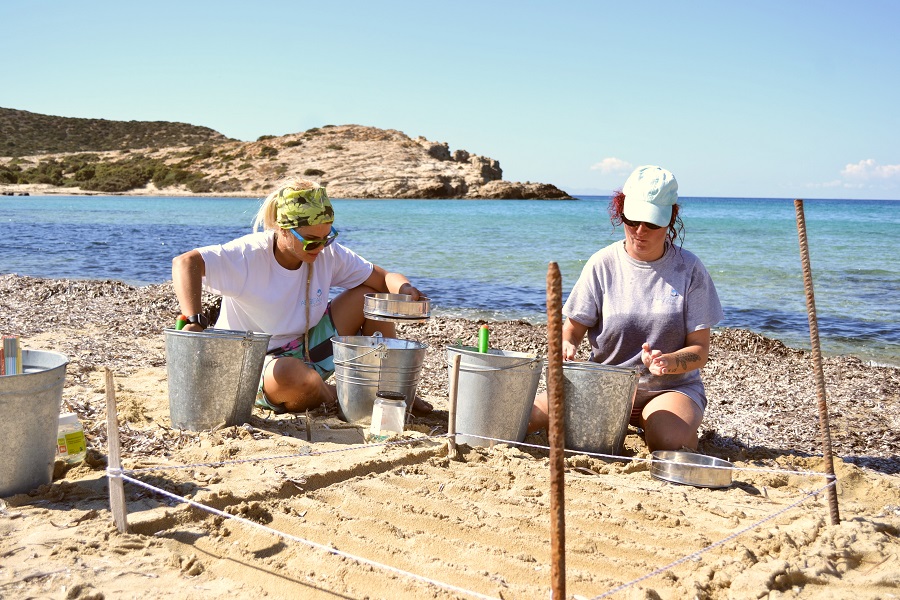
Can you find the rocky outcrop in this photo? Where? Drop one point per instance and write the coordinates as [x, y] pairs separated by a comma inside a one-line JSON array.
[[508, 190], [353, 161]]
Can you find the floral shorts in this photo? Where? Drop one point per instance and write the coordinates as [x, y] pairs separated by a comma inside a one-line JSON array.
[[321, 357]]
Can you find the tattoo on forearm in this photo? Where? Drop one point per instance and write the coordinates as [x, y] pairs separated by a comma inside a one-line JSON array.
[[683, 358]]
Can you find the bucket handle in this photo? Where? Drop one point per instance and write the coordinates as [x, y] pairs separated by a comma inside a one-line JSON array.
[[479, 369], [381, 348]]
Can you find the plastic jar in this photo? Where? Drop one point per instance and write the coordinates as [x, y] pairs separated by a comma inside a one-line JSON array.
[[70, 444], [388, 415]]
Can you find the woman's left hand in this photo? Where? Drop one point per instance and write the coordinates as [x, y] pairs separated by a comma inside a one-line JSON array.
[[410, 290]]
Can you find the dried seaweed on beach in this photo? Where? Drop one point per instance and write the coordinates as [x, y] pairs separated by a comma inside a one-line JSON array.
[[762, 394]]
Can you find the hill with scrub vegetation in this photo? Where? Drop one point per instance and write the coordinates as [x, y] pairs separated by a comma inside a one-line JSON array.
[[41, 154], [24, 133]]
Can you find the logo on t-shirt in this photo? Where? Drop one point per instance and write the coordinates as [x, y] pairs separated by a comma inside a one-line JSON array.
[[318, 299], [673, 297]]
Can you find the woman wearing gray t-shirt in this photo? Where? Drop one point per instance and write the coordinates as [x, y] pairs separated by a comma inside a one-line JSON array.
[[645, 302]]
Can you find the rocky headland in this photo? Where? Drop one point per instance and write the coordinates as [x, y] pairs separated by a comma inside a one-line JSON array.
[[353, 161]]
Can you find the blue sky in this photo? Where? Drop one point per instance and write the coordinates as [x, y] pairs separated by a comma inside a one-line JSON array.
[[786, 99]]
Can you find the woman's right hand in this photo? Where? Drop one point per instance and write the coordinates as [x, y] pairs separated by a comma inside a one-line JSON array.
[[654, 360], [572, 335]]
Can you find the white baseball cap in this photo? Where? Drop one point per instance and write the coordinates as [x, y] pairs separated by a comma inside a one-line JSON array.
[[650, 192]]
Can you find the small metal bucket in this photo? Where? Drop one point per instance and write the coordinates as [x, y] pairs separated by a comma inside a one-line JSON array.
[[363, 365], [598, 406], [29, 421], [495, 394], [213, 376]]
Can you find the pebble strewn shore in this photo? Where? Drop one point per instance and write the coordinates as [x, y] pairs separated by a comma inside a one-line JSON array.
[[763, 400]]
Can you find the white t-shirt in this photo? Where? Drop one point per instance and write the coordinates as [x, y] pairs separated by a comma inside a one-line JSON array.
[[625, 302], [258, 294]]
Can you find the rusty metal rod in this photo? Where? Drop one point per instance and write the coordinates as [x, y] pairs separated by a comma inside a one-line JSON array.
[[557, 433], [818, 375]]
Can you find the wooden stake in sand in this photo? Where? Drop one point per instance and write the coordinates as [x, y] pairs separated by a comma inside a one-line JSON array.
[[452, 451], [818, 375], [116, 487], [557, 433]]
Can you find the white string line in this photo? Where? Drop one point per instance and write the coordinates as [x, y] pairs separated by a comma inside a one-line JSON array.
[[652, 460], [307, 452], [121, 474], [294, 538], [702, 551], [303, 453]]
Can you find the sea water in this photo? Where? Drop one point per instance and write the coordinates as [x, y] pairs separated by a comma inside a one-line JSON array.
[[487, 259]]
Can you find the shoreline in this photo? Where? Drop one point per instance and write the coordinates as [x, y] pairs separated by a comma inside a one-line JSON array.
[[449, 314], [41, 189]]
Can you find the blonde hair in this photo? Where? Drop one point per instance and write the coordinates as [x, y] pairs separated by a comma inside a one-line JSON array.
[[265, 216]]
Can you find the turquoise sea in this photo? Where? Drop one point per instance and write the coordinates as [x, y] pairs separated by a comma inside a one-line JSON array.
[[488, 258]]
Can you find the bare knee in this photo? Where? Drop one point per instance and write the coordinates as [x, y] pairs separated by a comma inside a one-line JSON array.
[[348, 316], [385, 328], [664, 430], [540, 417], [671, 421], [295, 386]]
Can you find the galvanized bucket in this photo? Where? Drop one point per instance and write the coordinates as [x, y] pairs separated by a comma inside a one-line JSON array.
[[495, 394], [29, 421], [213, 376], [598, 406], [363, 365]]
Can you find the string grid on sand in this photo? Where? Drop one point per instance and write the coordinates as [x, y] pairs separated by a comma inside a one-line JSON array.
[[128, 475]]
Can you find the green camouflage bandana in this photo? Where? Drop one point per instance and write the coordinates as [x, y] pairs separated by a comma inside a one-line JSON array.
[[299, 208]]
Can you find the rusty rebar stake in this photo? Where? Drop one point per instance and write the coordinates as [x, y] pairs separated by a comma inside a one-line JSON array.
[[557, 433], [818, 375]]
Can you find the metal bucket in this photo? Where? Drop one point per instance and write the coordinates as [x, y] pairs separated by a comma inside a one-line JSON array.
[[29, 421], [495, 394], [213, 376], [598, 406], [363, 365]]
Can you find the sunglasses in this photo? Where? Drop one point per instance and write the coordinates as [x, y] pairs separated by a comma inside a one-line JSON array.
[[636, 224], [315, 244]]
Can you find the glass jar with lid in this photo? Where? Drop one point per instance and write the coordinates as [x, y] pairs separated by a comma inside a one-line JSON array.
[[388, 415]]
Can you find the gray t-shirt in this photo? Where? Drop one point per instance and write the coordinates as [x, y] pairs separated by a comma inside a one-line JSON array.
[[625, 302]]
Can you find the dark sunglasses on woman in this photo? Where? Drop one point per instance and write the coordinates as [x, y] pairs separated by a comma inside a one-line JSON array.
[[637, 224]]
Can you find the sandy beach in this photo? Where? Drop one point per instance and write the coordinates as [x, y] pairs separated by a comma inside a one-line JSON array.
[[335, 517]]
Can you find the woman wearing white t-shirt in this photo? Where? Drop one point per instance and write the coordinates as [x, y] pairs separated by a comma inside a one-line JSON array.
[[645, 302], [277, 281]]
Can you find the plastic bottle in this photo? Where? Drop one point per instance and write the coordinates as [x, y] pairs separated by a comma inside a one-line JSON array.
[[180, 322], [70, 444], [388, 415], [483, 339]]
